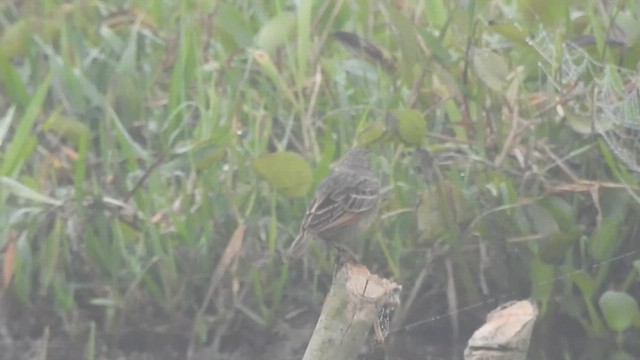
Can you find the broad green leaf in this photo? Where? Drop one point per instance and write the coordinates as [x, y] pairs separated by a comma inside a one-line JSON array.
[[411, 126], [275, 32], [630, 26], [371, 133], [491, 68], [535, 219], [287, 171], [604, 241], [541, 280], [561, 211], [584, 282], [554, 247], [580, 124], [618, 309]]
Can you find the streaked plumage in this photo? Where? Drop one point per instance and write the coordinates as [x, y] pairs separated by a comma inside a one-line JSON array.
[[344, 205]]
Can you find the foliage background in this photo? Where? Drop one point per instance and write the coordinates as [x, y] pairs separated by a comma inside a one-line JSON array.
[[156, 157]]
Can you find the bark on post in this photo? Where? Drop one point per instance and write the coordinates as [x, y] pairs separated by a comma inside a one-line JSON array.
[[348, 312]]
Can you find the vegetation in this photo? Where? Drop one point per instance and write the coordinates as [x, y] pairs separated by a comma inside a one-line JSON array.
[[155, 159]]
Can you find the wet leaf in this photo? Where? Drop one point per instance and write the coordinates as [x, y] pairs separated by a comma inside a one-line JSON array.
[[287, 171], [618, 309], [275, 32]]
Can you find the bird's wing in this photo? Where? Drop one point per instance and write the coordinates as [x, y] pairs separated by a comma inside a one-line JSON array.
[[340, 199]]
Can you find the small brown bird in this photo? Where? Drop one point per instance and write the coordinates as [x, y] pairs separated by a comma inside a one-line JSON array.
[[344, 205]]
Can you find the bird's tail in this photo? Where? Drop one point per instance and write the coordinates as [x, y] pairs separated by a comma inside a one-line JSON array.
[[298, 246]]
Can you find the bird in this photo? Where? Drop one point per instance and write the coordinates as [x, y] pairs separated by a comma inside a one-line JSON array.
[[344, 205]]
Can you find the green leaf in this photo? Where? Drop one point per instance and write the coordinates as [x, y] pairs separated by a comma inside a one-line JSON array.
[[491, 68], [411, 126], [371, 133], [584, 282], [16, 38], [68, 127], [50, 256], [25, 192], [554, 247], [24, 140], [275, 32], [511, 31], [562, 212], [618, 309], [22, 281], [436, 12], [580, 124], [535, 219], [541, 280], [287, 171], [234, 24], [604, 241], [10, 78], [547, 12]]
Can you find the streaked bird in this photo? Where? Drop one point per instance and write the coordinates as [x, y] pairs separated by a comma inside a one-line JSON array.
[[344, 206]]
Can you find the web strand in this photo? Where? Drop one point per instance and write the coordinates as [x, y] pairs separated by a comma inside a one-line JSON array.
[[498, 299]]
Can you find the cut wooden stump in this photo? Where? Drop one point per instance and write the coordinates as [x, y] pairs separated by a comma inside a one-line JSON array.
[[351, 307], [506, 334]]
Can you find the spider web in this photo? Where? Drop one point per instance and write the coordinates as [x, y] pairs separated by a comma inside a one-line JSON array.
[[606, 94]]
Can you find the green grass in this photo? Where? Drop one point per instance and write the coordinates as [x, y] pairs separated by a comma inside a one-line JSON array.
[[130, 132]]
